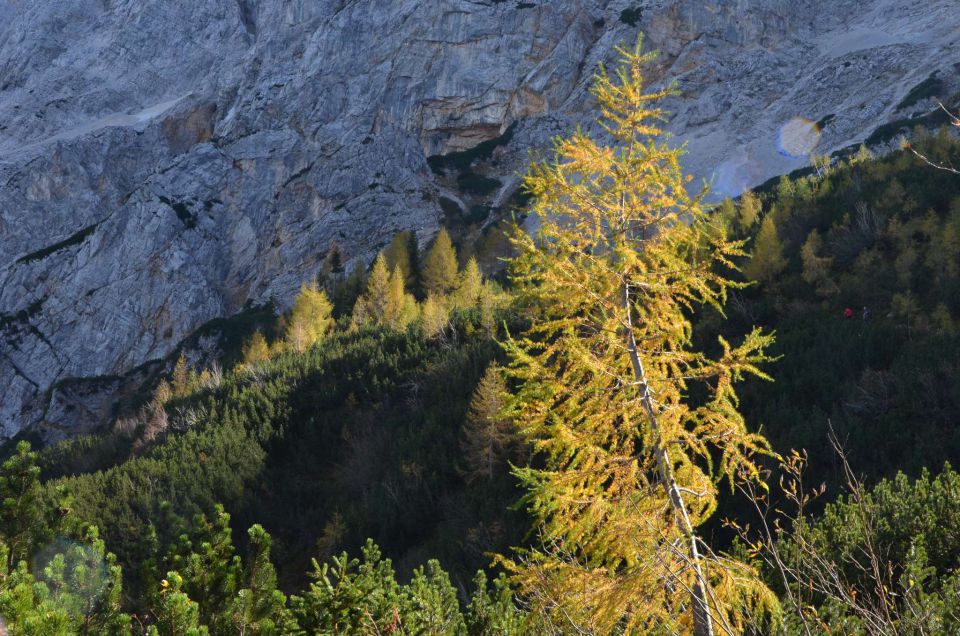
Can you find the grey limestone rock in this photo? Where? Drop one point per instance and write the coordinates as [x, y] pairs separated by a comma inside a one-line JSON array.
[[163, 163]]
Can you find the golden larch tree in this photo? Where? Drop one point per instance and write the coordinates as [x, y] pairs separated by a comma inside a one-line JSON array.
[[370, 306], [469, 286], [434, 317], [631, 463], [398, 255], [748, 212], [767, 260], [400, 309], [310, 319], [386, 302], [489, 436], [816, 268], [183, 377], [393, 307], [439, 273], [256, 349]]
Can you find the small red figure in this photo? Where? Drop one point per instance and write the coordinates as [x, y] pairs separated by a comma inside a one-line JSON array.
[[848, 313]]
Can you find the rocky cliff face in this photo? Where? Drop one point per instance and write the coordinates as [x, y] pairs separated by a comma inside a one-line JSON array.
[[165, 163]]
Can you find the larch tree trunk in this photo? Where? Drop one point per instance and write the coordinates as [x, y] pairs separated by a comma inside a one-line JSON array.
[[702, 621]]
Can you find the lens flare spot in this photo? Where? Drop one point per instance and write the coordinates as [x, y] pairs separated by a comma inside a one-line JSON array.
[[80, 567], [798, 137], [732, 178]]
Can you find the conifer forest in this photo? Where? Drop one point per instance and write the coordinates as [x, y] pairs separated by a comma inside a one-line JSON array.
[[623, 401]]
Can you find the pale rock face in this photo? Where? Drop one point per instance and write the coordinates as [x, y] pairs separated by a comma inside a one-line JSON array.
[[163, 163]]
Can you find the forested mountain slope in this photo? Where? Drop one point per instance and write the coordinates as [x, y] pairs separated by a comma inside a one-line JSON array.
[[881, 237], [370, 432]]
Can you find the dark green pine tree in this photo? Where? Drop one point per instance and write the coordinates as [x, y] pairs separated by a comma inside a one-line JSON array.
[[27, 520], [260, 608], [175, 613], [208, 568]]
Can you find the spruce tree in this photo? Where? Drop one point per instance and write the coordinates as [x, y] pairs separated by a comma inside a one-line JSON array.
[[331, 274], [631, 466], [439, 273], [413, 250], [333, 263], [346, 289]]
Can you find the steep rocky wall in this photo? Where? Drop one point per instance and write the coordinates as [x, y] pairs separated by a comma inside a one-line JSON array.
[[165, 163]]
